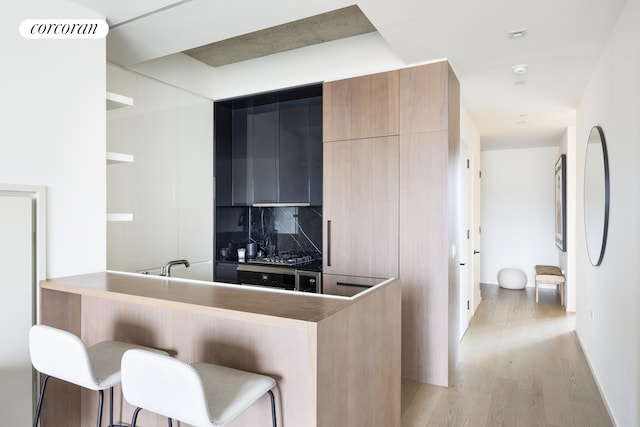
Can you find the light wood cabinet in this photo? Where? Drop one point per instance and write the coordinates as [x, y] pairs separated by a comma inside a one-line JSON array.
[[361, 107], [424, 98], [361, 207], [391, 153], [429, 159]]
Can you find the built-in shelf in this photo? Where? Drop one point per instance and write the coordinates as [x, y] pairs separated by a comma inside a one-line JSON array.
[[119, 217], [114, 158], [115, 100]]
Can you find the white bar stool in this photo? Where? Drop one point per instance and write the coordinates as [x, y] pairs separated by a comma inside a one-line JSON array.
[[61, 354], [199, 394]]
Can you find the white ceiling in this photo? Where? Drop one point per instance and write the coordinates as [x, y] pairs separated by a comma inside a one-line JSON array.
[[564, 39]]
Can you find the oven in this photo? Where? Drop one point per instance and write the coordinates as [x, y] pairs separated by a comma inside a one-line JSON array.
[[279, 277]]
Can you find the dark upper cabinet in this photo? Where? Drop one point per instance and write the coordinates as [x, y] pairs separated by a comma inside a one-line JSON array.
[[263, 153], [300, 152], [240, 184], [269, 148], [223, 155]]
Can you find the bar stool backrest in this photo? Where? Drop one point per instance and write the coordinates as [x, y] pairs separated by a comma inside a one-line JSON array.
[[164, 385], [60, 354]]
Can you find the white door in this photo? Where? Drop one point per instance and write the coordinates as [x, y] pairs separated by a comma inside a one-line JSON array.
[[476, 232], [463, 235], [22, 265], [17, 272]]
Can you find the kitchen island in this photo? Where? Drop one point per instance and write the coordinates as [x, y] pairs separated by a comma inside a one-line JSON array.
[[336, 359]]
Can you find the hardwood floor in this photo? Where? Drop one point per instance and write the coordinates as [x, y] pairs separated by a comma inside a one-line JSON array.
[[520, 365]]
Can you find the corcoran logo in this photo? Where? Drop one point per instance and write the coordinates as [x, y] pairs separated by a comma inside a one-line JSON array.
[[64, 29]]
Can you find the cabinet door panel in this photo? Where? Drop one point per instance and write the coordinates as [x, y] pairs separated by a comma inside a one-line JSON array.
[[293, 158], [315, 151], [336, 110], [361, 107], [424, 98], [263, 152], [239, 158], [223, 143], [361, 207], [383, 105]]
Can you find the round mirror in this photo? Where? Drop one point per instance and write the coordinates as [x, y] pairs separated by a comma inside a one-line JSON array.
[[596, 195]]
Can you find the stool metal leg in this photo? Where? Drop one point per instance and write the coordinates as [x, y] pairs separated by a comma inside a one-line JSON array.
[[100, 401], [135, 417], [44, 385], [111, 424], [111, 407], [273, 408]]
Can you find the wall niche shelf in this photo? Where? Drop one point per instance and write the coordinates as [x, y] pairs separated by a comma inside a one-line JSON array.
[[115, 100], [116, 158]]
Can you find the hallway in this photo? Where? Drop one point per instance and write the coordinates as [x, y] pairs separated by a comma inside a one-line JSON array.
[[520, 365]]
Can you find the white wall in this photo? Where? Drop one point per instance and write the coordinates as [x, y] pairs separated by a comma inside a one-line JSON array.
[[518, 208], [53, 131], [607, 319]]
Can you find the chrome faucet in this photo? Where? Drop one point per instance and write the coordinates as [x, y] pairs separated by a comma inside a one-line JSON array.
[[166, 269]]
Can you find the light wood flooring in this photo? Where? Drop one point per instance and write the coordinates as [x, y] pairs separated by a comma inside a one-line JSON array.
[[519, 365]]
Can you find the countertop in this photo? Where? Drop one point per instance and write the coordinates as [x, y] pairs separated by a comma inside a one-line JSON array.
[[201, 296]]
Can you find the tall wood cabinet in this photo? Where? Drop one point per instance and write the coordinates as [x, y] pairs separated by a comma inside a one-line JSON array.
[[391, 148], [360, 178]]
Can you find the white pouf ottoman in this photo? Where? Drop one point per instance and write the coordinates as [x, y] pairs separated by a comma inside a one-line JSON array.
[[512, 278]]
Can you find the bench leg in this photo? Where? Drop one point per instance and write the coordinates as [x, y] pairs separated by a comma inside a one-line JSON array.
[[536, 291]]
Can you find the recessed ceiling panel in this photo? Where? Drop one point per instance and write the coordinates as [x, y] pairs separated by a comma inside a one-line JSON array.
[[334, 25]]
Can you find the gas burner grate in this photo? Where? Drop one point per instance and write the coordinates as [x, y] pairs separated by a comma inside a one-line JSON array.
[[285, 258]]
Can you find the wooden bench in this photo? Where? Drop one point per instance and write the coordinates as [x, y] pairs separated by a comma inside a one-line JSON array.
[[550, 274]]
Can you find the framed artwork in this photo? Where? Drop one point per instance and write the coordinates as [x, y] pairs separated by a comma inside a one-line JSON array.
[[561, 202]]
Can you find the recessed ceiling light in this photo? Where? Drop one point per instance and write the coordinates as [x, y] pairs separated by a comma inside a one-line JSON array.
[[519, 69], [517, 34], [519, 82], [522, 122]]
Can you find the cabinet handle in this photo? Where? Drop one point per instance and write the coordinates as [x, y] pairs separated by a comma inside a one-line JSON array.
[[329, 243], [353, 285]]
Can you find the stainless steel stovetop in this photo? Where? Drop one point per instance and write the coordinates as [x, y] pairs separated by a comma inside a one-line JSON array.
[[283, 259]]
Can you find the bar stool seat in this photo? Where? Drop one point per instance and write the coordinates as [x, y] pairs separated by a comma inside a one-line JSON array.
[[199, 394], [60, 354]]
